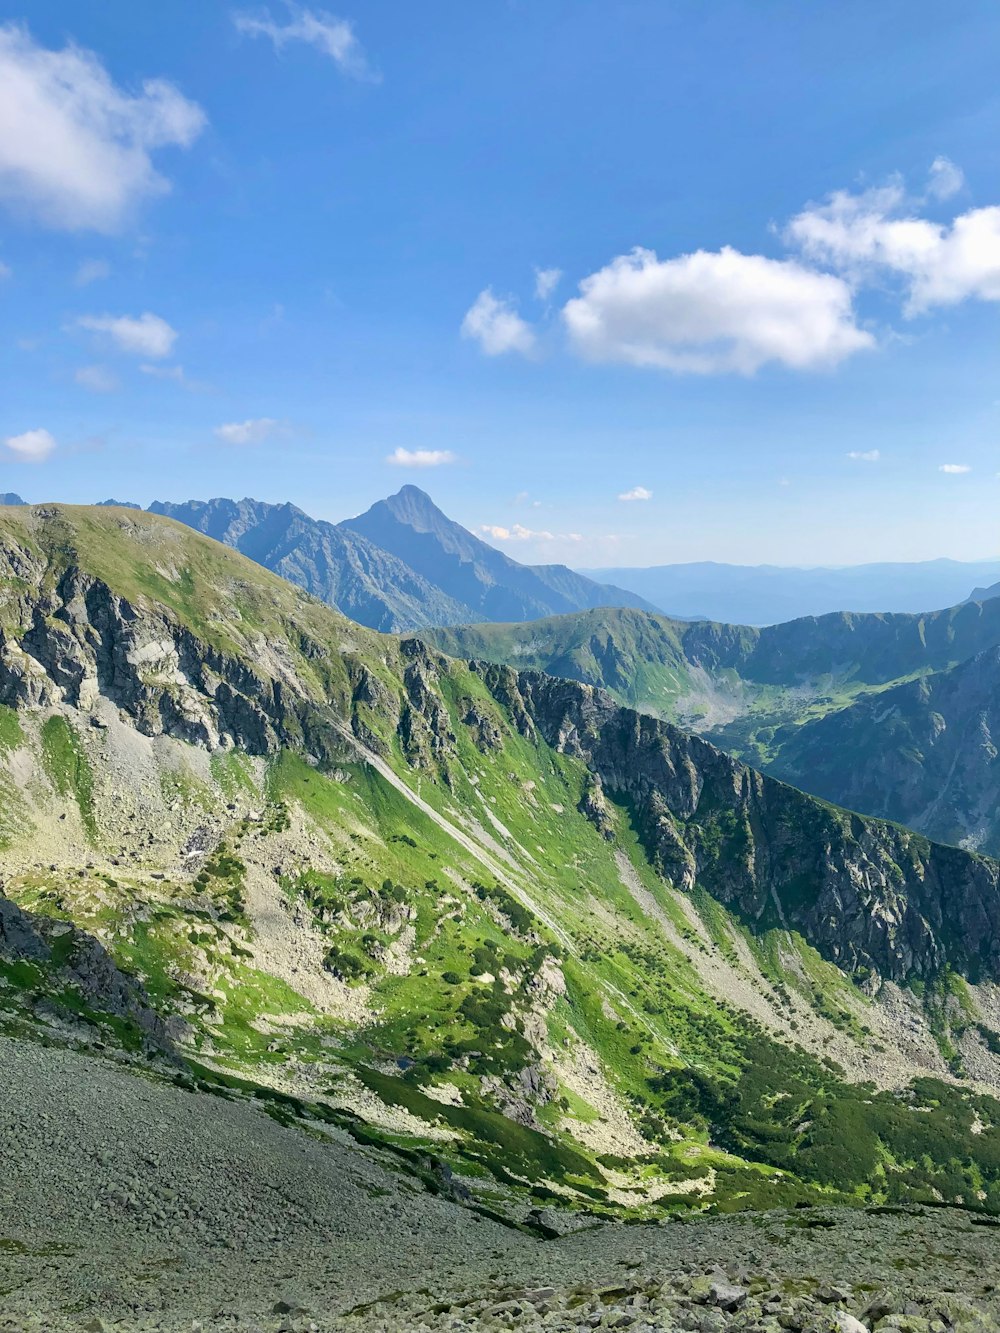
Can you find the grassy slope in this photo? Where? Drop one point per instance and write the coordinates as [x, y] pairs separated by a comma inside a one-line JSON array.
[[466, 1002], [751, 691]]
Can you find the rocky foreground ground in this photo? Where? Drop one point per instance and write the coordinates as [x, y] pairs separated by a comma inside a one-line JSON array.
[[126, 1204]]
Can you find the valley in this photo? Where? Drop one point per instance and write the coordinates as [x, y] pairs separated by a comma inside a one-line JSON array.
[[890, 715]]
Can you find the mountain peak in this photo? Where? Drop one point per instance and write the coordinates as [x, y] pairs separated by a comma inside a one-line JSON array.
[[414, 507]]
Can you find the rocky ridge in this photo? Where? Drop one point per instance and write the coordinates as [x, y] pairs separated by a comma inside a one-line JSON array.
[[867, 894]]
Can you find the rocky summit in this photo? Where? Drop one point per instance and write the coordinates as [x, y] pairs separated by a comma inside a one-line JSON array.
[[344, 983]]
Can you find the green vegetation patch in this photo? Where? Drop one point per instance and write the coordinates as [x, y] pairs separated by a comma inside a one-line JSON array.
[[11, 735], [68, 767], [504, 1146]]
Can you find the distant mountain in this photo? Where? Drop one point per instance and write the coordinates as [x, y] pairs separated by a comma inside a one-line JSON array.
[[770, 594], [984, 594], [341, 567], [9, 498], [402, 565], [118, 504], [412, 527]]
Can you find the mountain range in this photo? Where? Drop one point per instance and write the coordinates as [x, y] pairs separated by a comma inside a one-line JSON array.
[[771, 594], [402, 565], [405, 565], [890, 714], [488, 922]]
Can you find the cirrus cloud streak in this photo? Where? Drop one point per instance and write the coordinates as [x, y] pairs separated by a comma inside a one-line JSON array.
[[331, 36], [518, 533]]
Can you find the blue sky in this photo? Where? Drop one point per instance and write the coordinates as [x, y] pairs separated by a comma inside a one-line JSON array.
[[555, 252]]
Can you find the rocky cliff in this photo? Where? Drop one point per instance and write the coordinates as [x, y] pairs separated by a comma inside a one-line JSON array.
[[868, 894]]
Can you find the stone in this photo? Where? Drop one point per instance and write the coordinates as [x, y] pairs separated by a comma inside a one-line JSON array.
[[726, 1296], [828, 1294], [844, 1322], [288, 1305]]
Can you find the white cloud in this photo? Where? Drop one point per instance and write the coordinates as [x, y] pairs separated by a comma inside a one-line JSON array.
[[92, 270], [141, 335], [944, 178], [938, 263], [636, 493], [865, 455], [331, 36], [705, 313], [164, 372], [420, 457], [518, 533], [75, 150], [954, 468], [253, 431], [98, 379], [496, 326], [33, 446], [546, 281]]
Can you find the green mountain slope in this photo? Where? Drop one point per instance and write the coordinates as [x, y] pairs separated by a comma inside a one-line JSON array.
[[489, 920], [890, 715]]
